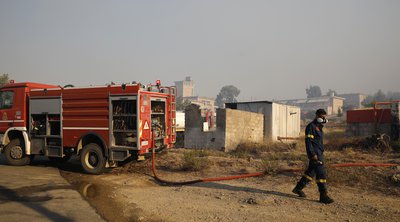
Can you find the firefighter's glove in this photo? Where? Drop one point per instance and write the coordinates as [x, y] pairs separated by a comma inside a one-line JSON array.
[[318, 163]]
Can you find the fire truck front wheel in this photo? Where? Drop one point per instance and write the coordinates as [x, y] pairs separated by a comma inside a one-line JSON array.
[[92, 159], [14, 153]]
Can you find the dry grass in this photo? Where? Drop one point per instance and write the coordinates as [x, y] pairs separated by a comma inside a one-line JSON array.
[[196, 160], [396, 145], [245, 150], [270, 157], [270, 166], [257, 150], [339, 149], [365, 178]]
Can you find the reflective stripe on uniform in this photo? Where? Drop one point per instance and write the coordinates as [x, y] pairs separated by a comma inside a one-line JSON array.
[[308, 177], [310, 136], [321, 181]]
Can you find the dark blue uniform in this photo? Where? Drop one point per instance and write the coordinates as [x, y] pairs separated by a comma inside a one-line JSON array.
[[315, 146], [315, 151]]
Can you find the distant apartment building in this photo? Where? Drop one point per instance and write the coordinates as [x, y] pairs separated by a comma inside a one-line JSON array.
[[353, 100], [185, 88], [332, 104]]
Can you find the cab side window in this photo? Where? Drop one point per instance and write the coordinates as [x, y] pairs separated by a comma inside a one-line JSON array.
[[6, 99]]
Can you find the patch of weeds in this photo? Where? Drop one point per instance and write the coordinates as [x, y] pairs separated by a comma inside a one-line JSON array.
[[395, 145], [286, 156], [270, 166], [334, 134], [201, 153], [244, 150], [348, 177], [366, 178], [195, 160]]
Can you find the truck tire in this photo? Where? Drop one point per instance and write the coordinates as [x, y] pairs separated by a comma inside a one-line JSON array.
[[14, 153], [92, 159]]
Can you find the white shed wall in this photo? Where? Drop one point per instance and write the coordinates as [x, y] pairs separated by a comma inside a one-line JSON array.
[[286, 121], [279, 120]]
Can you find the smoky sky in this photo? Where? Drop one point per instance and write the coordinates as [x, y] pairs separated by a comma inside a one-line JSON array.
[[268, 49]]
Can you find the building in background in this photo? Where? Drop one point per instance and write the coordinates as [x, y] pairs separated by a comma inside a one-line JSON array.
[[332, 104], [205, 104], [281, 122], [185, 88], [353, 100]]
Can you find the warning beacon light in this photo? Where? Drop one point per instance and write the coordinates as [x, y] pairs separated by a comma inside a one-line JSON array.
[[12, 81], [158, 82]]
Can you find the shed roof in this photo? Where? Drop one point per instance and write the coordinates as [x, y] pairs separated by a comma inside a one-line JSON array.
[[264, 101], [310, 100]]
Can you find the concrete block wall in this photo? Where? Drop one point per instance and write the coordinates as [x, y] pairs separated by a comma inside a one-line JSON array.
[[233, 127], [243, 127], [195, 137]]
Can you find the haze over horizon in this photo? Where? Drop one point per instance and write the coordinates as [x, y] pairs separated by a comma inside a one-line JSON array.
[[268, 49]]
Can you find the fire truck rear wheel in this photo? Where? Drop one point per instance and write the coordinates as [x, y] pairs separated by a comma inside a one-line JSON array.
[[14, 153], [92, 159]]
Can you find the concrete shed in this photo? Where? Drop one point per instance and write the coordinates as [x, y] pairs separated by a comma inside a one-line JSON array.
[[233, 127], [280, 121]]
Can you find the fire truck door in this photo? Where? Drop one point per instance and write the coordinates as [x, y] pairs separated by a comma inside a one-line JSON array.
[[11, 108]]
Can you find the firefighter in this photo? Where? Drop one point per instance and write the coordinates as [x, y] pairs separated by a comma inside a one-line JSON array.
[[315, 150]]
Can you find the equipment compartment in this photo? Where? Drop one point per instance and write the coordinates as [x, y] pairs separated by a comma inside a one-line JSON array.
[[124, 122], [158, 122], [45, 127]]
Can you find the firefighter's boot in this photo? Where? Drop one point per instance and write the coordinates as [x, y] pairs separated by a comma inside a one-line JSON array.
[[324, 198], [299, 187]]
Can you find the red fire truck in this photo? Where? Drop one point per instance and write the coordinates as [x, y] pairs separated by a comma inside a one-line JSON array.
[[104, 125]]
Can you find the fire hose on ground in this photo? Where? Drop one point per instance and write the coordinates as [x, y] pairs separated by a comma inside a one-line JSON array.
[[257, 174]]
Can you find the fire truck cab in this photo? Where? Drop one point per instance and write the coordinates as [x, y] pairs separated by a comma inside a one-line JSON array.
[[103, 125]]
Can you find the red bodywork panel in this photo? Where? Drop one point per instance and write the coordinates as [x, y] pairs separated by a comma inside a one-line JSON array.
[[369, 116]]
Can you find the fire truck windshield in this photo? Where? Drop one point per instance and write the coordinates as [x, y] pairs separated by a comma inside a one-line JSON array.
[[6, 99]]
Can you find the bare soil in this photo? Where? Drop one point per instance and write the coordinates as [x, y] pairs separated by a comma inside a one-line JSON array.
[[130, 193]]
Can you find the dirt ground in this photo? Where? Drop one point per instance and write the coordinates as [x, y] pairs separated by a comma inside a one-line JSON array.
[[130, 193]]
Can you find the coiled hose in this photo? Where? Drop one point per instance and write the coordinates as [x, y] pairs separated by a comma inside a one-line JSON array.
[[234, 177]]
